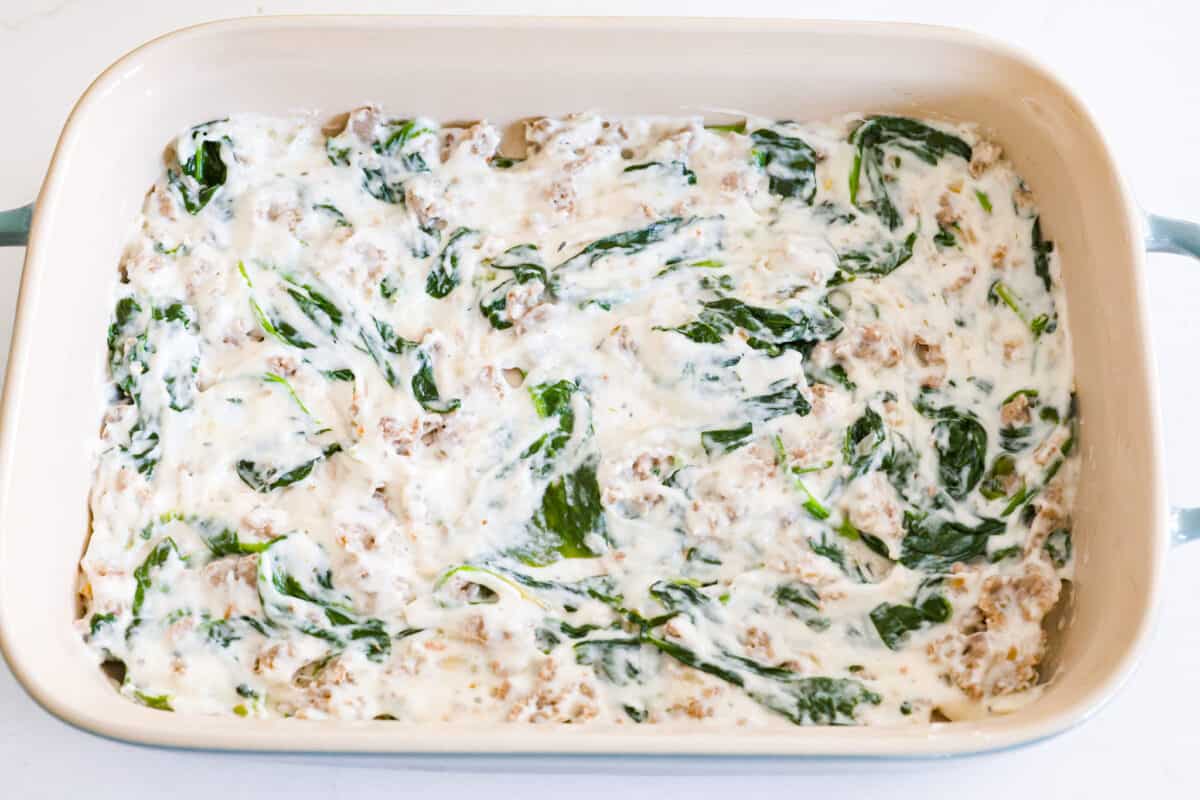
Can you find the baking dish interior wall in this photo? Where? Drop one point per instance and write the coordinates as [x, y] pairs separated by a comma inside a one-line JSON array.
[[466, 73]]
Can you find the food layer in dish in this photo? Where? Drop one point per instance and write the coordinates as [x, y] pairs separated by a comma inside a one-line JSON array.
[[653, 422]]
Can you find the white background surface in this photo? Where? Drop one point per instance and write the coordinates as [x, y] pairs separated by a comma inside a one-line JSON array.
[[1136, 64]]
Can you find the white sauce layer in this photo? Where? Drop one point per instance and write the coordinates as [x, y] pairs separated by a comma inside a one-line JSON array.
[[661, 422]]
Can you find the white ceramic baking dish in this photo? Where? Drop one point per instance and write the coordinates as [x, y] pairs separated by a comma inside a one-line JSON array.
[[503, 69]]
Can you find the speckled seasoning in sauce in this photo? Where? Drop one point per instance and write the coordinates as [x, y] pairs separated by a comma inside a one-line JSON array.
[[746, 425]]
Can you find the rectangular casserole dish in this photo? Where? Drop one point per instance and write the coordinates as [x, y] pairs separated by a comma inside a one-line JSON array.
[[504, 69]]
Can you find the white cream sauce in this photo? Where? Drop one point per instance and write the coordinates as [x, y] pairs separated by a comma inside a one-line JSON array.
[[372, 454]]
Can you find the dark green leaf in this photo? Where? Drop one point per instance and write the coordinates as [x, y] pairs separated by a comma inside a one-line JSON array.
[[885, 132], [781, 400], [789, 162], [551, 400], [1058, 547], [268, 477], [628, 242], [444, 277], [860, 446], [376, 184], [798, 597], [158, 556], [720, 442], [673, 166], [616, 661], [880, 261], [425, 388], [569, 513], [1041, 254], [936, 544], [98, 621]]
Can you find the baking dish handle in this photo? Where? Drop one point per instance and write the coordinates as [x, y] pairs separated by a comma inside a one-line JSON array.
[[14, 226], [1166, 235]]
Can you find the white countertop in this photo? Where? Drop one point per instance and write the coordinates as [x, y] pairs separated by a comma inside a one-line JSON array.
[[1136, 65]]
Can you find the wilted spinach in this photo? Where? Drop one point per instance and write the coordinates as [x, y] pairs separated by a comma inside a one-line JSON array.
[[722, 441], [425, 388], [789, 162], [551, 400], [893, 622], [158, 556], [878, 134], [767, 329], [444, 276], [570, 512], [524, 265], [878, 261], [680, 167], [202, 174], [783, 397], [961, 444], [934, 544], [269, 477], [629, 242]]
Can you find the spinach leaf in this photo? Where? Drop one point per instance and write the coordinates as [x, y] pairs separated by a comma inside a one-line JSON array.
[[98, 621], [767, 329], [944, 237], [996, 556], [159, 702], [425, 389], [392, 341], [338, 156], [444, 277], [339, 219], [295, 568], [784, 398], [998, 476], [143, 446], [570, 512], [279, 328], [319, 309], [878, 134], [936, 544], [128, 345], [893, 622], [616, 661], [551, 400], [999, 292], [1041, 254], [720, 442], [901, 463], [798, 596], [1058, 547], [689, 177], [789, 162], [683, 595], [406, 131], [376, 184], [269, 477], [961, 444], [860, 446], [525, 266], [158, 556], [628, 242], [222, 541], [205, 171], [220, 632], [879, 262], [812, 700]]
